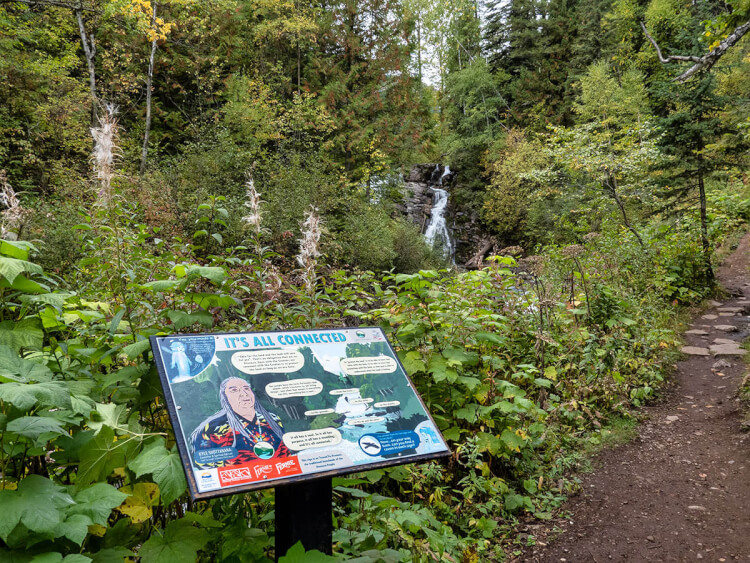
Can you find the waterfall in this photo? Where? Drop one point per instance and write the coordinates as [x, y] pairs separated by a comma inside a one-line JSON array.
[[446, 172], [437, 232]]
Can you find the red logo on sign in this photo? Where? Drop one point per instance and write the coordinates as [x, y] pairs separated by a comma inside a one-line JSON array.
[[258, 471], [234, 475], [263, 470], [288, 467]]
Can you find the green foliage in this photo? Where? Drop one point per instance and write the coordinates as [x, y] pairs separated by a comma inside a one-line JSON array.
[[512, 191], [474, 111], [179, 542]]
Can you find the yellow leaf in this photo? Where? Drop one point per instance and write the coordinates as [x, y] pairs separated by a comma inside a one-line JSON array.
[[138, 505], [97, 530]]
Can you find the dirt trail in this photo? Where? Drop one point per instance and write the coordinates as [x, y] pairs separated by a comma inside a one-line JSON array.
[[681, 490]]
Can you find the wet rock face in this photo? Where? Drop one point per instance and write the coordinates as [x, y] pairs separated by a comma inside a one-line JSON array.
[[465, 226], [423, 173], [418, 203], [419, 197]]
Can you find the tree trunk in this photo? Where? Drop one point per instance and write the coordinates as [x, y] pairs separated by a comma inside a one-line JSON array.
[[704, 230], [706, 61], [612, 184], [149, 84], [89, 52], [299, 57]]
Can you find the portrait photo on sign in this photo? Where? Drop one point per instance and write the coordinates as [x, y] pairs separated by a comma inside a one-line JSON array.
[[240, 432]]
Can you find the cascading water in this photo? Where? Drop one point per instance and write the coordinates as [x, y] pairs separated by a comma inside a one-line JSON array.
[[437, 233]]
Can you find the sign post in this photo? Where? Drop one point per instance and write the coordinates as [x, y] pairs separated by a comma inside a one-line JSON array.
[[291, 410], [303, 513]]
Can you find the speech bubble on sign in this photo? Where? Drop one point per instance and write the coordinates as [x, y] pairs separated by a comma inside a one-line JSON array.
[[323, 437], [369, 364], [295, 388], [268, 361], [318, 412]]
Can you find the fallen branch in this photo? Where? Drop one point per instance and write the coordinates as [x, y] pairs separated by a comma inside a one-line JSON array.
[[478, 258], [706, 61]]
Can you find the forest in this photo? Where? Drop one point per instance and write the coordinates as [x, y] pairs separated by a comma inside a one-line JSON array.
[[238, 165]]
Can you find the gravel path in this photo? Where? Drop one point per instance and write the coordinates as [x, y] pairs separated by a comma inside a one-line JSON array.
[[681, 490]]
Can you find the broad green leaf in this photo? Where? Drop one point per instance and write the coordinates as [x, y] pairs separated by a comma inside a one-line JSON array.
[[16, 249], [297, 554], [181, 320], [204, 520], [96, 502], [24, 396], [524, 404], [50, 319], [550, 372], [137, 348], [24, 284], [12, 267], [210, 300], [15, 368], [57, 299], [103, 455], [503, 406], [163, 285], [513, 502], [36, 504], [27, 333], [453, 434], [164, 466], [513, 441], [111, 555], [490, 337], [440, 370], [75, 528], [54, 557], [490, 443], [108, 414], [125, 376], [469, 413], [412, 362], [213, 273], [179, 543], [245, 544], [458, 356], [82, 405], [34, 426]]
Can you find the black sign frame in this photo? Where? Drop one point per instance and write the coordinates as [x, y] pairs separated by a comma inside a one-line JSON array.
[[184, 450]]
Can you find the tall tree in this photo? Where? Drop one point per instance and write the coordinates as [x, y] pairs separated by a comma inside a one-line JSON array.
[[365, 79], [691, 112]]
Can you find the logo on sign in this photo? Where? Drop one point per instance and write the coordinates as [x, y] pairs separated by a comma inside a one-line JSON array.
[[263, 470], [280, 467], [229, 476], [235, 475]]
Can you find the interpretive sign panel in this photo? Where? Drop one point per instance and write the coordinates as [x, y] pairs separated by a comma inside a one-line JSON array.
[[255, 410]]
